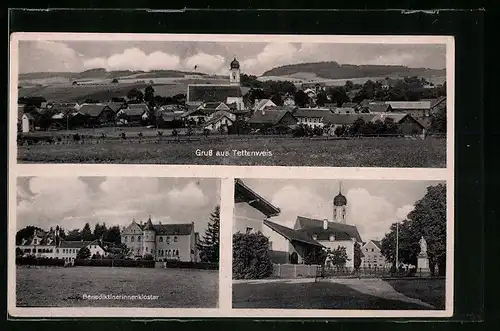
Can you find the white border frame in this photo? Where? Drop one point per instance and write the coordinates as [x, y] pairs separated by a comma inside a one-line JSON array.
[[226, 174]]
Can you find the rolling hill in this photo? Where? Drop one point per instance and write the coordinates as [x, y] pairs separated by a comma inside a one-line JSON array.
[[333, 70]]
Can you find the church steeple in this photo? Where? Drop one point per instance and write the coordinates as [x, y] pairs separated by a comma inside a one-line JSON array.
[[234, 72], [339, 207]]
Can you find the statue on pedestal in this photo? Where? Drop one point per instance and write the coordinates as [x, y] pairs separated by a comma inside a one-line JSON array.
[[423, 246]]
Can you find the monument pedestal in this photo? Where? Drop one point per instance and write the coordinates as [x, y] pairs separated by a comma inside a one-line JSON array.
[[423, 269]]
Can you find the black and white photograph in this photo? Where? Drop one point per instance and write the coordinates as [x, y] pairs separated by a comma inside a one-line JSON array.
[[353, 244], [256, 100], [131, 242]]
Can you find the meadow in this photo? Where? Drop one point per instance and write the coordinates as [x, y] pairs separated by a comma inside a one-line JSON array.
[[286, 151], [65, 287], [322, 295]]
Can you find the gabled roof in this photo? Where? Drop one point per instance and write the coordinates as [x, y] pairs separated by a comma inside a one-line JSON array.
[[213, 104], [312, 112], [261, 103], [136, 111], [174, 229], [141, 106], [379, 107], [435, 102], [377, 243], [409, 104], [243, 193], [350, 105], [212, 93], [291, 234], [169, 117], [92, 110], [397, 117], [314, 226], [270, 116], [115, 106], [220, 114]]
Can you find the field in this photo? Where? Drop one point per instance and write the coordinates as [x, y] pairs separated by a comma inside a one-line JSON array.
[[286, 151], [65, 287], [325, 295]]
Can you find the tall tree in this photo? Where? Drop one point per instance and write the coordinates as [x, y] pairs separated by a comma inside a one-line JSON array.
[[357, 256], [209, 245], [74, 235], [25, 233], [428, 220], [338, 94], [86, 233], [135, 94], [301, 98], [321, 99], [113, 235], [83, 253], [100, 231], [149, 94], [338, 256]]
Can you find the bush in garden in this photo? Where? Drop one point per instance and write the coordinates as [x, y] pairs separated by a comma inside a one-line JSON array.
[[251, 256]]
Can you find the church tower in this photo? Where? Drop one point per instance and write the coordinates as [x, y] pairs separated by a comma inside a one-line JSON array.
[[339, 207], [148, 238], [234, 73]]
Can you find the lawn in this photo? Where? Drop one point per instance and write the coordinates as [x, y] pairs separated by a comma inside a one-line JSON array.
[[369, 152], [319, 295], [431, 291], [65, 287]]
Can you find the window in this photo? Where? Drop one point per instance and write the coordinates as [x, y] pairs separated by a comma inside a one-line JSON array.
[[366, 249], [373, 250], [146, 249], [126, 238], [138, 238], [132, 239], [175, 239], [161, 239], [57, 250]]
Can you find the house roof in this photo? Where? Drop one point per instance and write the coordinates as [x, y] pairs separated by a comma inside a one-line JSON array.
[[243, 193], [377, 243], [291, 234], [220, 114], [262, 102], [135, 111], [409, 104], [92, 110], [379, 107], [350, 104], [212, 93], [436, 101], [115, 106], [270, 116], [212, 104], [142, 106], [397, 117], [76, 244], [344, 110], [312, 112], [169, 117], [29, 116], [339, 230], [346, 119], [183, 229]]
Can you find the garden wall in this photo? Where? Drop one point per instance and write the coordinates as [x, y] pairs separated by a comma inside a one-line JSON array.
[[188, 265], [294, 270], [115, 263], [29, 260]]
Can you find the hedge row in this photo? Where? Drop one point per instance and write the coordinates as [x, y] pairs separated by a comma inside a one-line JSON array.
[[31, 260], [192, 265], [115, 263]]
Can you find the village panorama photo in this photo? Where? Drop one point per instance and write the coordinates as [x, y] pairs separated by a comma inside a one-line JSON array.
[[256, 100], [115, 242], [343, 245]]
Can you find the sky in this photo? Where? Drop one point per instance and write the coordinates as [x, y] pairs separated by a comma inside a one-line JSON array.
[[372, 205], [214, 57], [71, 202]]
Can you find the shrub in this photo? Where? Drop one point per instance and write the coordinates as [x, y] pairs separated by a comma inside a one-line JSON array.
[[44, 261], [148, 257], [251, 256]]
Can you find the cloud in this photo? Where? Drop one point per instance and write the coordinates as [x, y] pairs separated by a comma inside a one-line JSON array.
[[43, 55], [135, 59], [206, 63], [71, 202]]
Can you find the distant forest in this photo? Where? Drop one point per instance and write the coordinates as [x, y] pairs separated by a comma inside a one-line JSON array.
[[333, 70]]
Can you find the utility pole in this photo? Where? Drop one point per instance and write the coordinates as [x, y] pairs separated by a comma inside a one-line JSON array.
[[397, 246]]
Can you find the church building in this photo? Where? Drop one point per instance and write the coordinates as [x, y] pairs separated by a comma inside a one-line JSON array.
[[308, 234], [162, 241], [230, 93]]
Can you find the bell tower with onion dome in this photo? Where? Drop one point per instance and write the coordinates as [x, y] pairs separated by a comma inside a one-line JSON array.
[[234, 73], [340, 207]]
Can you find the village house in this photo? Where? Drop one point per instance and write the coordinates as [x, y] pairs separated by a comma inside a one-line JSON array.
[[344, 110], [333, 121], [49, 244], [162, 241], [221, 120], [313, 117], [27, 122], [372, 255], [116, 106], [289, 101], [134, 113], [169, 120], [271, 118], [379, 107], [261, 104], [407, 125], [97, 113], [417, 109]]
